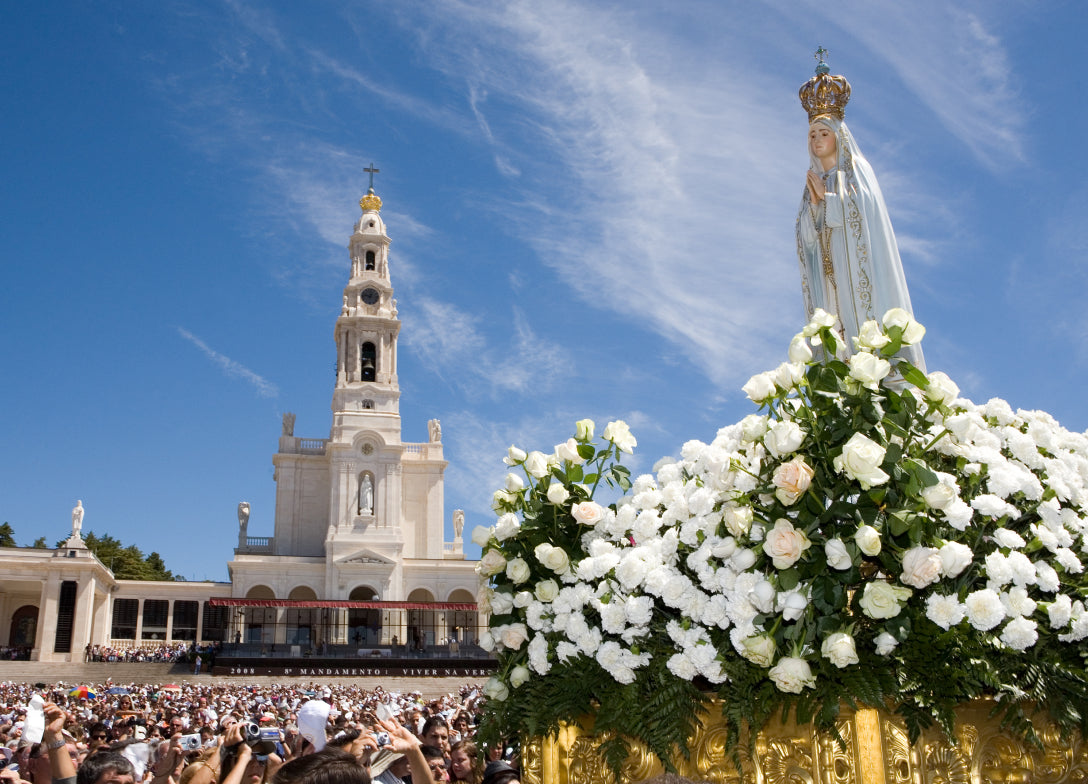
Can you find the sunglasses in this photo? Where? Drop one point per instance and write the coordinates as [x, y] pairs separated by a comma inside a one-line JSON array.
[[98, 737]]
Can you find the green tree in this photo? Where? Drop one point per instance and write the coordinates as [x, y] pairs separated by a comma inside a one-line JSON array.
[[127, 563], [7, 536], [39, 544]]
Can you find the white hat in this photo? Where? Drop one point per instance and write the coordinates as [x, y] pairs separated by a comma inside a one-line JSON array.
[[312, 718]]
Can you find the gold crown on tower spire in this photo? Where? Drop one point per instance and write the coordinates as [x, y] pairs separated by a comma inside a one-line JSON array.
[[370, 201], [824, 94]]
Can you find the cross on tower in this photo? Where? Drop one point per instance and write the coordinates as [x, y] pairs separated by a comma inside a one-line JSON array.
[[372, 171]]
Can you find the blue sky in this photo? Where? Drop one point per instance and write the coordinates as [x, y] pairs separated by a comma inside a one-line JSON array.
[[591, 208]]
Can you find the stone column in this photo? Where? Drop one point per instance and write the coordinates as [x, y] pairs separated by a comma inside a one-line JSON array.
[[139, 622], [199, 621], [46, 636], [84, 618], [169, 620]]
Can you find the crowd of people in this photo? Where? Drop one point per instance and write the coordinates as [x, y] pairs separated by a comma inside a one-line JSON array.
[[179, 651], [230, 734]]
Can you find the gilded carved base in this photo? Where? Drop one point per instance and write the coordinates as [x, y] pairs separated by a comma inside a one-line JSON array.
[[876, 751]]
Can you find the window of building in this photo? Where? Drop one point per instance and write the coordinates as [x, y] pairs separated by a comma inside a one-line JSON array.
[[216, 621], [155, 614], [125, 614], [185, 615]]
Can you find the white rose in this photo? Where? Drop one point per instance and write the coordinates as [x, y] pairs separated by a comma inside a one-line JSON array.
[[941, 388], [792, 675], [483, 600], [514, 456], [552, 557], [782, 438], [792, 480], [955, 557], [792, 605], [507, 526], [738, 519], [519, 675], [799, 350], [840, 649], [547, 590], [882, 600], [486, 640], [868, 540], [513, 635], [860, 460], [820, 318], [568, 451], [785, 544], [583, 429], [752, 427], [481, 535], [496, 690], [517, 570], [620, 434], [588, 512], [758, 649], [788, 375], [491, 563], [939, 496], [759, 387], [837, 555], [912, 330], [501, 603], [885, 643], [871, 337], [537, 465], [868, 369], [557, 493], [503, 500], [522, 599], [514, 483], [921, 567]]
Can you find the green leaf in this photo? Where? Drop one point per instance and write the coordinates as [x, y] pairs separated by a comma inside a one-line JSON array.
[[912, 374]]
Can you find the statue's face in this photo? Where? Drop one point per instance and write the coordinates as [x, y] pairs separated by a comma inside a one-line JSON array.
[[821, 141]]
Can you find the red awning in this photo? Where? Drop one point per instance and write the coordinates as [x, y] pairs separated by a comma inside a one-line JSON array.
[[223, 601]]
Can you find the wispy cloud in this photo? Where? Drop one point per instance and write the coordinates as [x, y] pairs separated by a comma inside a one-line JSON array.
[[449, 342], [232, 368]]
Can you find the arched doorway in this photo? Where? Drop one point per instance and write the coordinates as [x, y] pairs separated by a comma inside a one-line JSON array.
[[422, 624], [364, 626], [301, 621], [24, 627], [258, 623], [462, 623]]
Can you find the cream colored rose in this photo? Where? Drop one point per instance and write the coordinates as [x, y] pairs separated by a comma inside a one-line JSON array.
[[860, 460], [759, 387], [536, 464], [939, 496], [517, 570], [870, 336], [868, 540], [837, 555], [800, 351], [759, 649], [514, 456], [820, 318], [955, 557], [941, 388], [557, 493], [921, 567], [583, 429], [738, 519], [753, 426], [588, 512], [496, 690], [546, 590], [506, 526], [912, 330], [792, 480], [792, 675], [491, 563], [568, 451], [620, 434], [869, 369], [552, 557], [782, 438], [501, 603], [481, 535], [519, 675], [788, 375], [840, 649], [785, 544], [483, 600], [882, 600], [513, 635], [885, 643]]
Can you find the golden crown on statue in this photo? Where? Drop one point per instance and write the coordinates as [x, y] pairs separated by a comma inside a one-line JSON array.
[[824, 94]]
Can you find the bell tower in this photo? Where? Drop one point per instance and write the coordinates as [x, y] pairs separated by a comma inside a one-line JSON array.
[[367, 395]]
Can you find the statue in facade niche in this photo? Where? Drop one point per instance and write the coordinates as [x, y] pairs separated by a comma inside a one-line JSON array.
[[434, 428], [849, 258], [289, 424], [77, 519], [366, 496]]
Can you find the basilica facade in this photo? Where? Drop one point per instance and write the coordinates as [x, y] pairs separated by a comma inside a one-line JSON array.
[[357, 558]]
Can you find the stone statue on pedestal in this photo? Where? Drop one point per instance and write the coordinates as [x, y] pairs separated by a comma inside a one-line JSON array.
[[243, 518], [77, 520], [366, 496], [434, 428], [289, 424], [458, 522]]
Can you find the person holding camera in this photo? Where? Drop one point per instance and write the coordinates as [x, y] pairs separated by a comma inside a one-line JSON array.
[[103, 767]]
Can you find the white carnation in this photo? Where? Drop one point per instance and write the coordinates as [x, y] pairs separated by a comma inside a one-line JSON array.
[[945, 611], [1020, 633], [984, 609]]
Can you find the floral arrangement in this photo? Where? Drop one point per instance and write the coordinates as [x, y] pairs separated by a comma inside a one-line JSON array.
[[869, 537]]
